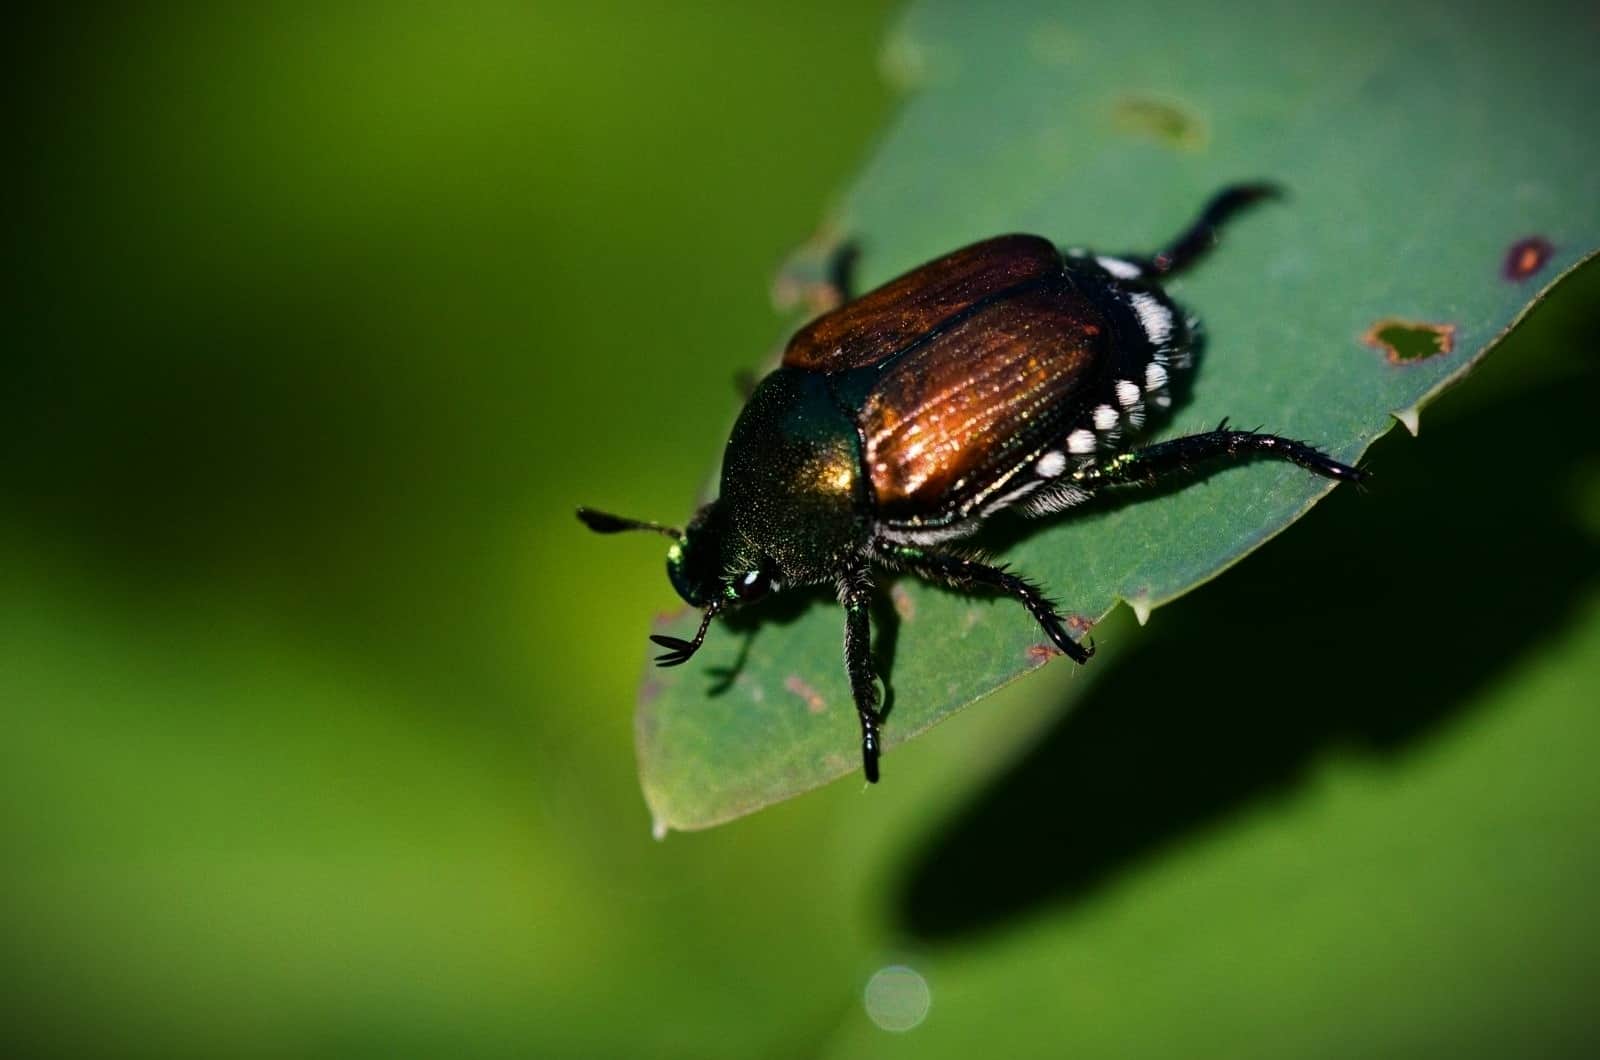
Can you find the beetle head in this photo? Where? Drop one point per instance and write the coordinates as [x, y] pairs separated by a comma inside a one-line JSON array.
[[712, 567], [705, 565]]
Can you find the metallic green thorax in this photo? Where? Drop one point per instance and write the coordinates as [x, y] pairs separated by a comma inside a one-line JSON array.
[[793, 499]]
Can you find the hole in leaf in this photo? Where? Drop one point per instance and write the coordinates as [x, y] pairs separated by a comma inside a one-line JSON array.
[[1405, 341]]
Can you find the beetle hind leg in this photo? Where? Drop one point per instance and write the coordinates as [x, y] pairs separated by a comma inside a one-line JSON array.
[[1193, 242], [1180, 455]]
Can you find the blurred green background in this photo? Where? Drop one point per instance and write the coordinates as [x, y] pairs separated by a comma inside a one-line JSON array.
[[317, 701]]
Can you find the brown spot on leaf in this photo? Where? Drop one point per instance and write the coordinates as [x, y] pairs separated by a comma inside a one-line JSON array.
[[1526, 257], [1079, 624], [1039, 654], [814, 702], [904, 606], [1163, 120], [1407, 341]]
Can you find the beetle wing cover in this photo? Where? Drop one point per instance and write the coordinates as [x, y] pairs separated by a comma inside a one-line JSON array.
[[885, 321], [950, 423]]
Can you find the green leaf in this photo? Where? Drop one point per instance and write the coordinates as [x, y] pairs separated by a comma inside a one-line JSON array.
[[1436, 191]]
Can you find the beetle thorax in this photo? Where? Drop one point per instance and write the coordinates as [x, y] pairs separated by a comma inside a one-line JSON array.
[[792, 488]]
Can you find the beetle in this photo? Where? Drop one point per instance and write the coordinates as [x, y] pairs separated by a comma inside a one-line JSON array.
[[1006, 374]]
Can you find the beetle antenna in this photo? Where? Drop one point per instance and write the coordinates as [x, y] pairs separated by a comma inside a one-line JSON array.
[[605, 523], [679, 651]]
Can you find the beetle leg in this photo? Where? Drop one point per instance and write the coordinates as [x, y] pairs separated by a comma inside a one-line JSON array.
[[1193, 242], [959, 572], [1158, 461], [855, 595], [842, 269]]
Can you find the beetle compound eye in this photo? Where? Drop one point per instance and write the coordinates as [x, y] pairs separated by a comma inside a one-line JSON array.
[[750, 585]]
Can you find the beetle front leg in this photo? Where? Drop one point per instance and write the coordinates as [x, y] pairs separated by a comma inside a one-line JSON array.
[[855, 595], [959, 572]]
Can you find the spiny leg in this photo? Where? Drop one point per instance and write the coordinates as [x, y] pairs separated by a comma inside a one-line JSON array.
[[1158, 461], [855, 595], [1193, 242], [960, 572]]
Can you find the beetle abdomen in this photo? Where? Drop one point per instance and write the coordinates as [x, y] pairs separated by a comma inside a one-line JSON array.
[[1001, 405]]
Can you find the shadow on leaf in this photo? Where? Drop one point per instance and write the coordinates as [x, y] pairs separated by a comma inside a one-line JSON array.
[[1371, 625], [788, 607]]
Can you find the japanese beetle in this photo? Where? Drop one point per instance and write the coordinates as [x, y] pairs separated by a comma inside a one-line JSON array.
[[1008, 373]]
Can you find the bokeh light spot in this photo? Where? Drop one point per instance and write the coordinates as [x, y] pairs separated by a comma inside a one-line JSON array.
[[897, 998]]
